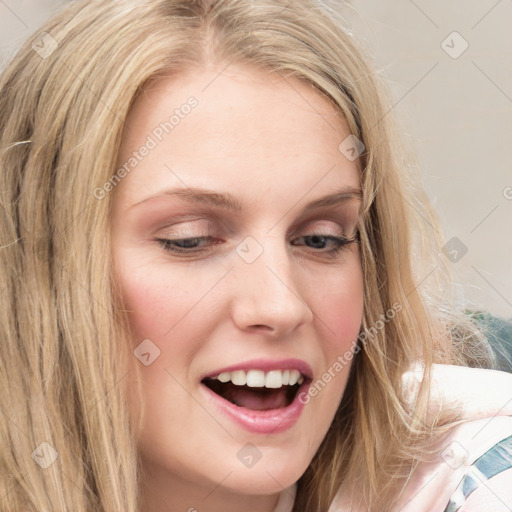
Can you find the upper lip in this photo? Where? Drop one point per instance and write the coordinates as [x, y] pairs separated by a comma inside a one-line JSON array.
[[266, 365]]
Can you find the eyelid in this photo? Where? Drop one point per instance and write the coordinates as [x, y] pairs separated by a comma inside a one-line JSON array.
[[346, 222], [317, 225], [181, 225], [179, 231], [215, 222]]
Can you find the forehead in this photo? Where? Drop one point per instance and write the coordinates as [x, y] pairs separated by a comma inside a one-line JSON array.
[[247, 127]]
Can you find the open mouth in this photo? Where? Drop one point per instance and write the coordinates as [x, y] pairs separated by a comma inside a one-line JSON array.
[[261, 402], [257, 390], [258, 399]]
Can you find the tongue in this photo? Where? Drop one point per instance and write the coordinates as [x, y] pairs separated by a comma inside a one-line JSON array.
[[256, 400]]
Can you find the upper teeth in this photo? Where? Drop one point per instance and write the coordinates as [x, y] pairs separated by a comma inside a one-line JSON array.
[[259, 378]]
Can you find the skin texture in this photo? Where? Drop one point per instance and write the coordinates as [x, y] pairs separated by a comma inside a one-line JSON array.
[[273, 144]]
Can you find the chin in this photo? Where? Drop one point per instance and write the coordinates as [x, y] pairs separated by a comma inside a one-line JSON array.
[[273, 472]]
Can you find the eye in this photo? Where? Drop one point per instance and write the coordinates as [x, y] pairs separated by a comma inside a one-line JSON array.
[[186, 245], [325, 245], [323, 242]]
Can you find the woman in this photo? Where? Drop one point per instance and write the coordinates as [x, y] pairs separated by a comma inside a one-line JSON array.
[[212, 300]]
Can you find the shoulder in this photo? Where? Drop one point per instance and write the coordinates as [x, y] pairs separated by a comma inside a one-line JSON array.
[[470, 467], [482, 402], [472, 392]]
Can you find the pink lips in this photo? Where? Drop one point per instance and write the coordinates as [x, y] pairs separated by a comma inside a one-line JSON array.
[[267, 422]]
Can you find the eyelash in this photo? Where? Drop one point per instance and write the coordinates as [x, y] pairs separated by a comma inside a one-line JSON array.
[[170, 244]]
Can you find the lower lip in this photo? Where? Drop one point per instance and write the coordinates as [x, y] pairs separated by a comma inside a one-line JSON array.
[[272, 421]]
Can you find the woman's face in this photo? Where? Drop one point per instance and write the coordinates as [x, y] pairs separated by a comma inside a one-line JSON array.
[[228, 244]]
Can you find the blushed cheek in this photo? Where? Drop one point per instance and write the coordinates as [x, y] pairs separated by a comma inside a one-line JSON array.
[[339, 310], [340, 313], [154, 305], [164, 305]]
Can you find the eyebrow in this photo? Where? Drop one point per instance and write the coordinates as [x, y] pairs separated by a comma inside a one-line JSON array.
[[229, 202]]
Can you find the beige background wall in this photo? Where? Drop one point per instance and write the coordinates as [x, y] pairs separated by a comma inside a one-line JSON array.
[[450, 68]]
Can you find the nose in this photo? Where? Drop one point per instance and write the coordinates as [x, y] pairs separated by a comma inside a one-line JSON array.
[[268, 297]]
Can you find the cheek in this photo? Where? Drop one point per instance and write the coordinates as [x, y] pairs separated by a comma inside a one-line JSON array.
[[340, 308], [148, 302], [174, 308], [156, 298], [339, 312]]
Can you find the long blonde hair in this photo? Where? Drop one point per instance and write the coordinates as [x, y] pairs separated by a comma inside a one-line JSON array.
[[65, 357]]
